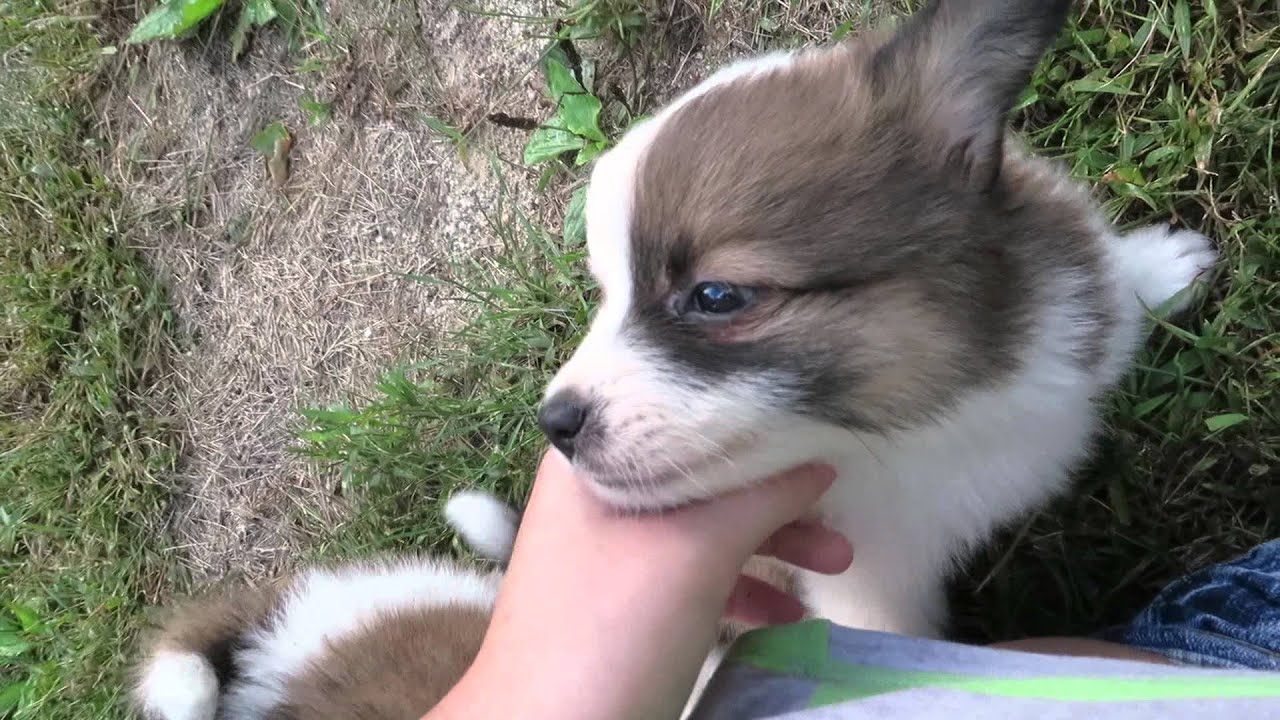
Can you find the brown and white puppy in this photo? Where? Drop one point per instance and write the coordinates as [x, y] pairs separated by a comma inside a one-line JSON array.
[[374, 640], [837, 254]]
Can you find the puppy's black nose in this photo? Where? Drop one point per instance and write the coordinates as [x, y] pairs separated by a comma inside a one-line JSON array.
[[561, 419]]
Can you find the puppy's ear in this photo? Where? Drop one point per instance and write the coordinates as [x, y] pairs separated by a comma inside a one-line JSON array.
[[960, 64]]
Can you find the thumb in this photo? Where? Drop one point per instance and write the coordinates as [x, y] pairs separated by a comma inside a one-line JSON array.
[[747, 517]]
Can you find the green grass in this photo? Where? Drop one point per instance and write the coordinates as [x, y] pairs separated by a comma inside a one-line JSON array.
[[464, 416], [1171, 107], [83, 336]]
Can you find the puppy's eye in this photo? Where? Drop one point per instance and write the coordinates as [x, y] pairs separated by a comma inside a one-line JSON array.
[[718, 298]]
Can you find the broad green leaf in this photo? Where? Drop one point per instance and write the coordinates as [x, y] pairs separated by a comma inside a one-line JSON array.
[[589, 153], [28, 617], [259, 12], [553, 53], [560, 79], [575, 219], [172, 18], [1222, 422], [1125, 173], [581, 116], [548, 143]]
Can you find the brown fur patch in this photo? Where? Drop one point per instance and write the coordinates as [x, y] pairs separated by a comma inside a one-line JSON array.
[[397, 668]]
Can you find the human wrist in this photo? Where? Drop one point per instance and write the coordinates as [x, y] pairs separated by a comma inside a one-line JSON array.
[[582, 658]]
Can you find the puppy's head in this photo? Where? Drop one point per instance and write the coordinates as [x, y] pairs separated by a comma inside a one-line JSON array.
[[800, 247]]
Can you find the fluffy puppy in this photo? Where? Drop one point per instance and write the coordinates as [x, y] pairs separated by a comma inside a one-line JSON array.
[[838, 254]]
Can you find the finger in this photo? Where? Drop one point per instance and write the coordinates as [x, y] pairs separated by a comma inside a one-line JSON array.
[[810, 546], [755, 512], [756, 602], [554, 463]]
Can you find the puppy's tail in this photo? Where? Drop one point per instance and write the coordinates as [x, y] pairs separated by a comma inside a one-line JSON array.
[[176, 684], [190, 660], [485, 523]]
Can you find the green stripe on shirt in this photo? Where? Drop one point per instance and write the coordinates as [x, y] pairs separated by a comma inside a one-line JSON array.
[[802, 650]]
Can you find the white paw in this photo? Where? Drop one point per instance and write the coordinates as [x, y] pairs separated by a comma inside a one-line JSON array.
[[1158, 263]]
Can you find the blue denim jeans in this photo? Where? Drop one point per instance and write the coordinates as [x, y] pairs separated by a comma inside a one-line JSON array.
[[1221, 616]]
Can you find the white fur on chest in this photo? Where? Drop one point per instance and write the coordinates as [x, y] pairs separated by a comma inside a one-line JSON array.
[[914, 503]]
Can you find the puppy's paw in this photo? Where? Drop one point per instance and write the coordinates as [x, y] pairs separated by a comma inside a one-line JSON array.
[[1161, 264]]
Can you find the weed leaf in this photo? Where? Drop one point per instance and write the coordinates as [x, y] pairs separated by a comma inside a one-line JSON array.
[[549, 143], [1115, 86], [576, 125], [581, 115], [1182, 27], [574, 232], [171, 19], [589, 153], [1222, 422], [1150, 405], [560, 79]]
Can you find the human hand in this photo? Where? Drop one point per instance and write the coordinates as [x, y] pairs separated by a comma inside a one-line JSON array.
[[603, 615]]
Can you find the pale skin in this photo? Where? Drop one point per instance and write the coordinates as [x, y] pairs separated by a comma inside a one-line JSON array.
[[606, 615]]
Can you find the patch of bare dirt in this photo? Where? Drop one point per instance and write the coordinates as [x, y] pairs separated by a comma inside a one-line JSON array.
[[296, 296]]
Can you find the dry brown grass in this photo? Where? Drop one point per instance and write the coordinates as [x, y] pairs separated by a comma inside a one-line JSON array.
[[298, 296]]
